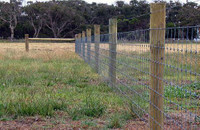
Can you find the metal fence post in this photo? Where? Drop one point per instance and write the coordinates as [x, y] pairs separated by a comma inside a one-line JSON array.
[[157, 43], [88, 31], [97, 41], [27, 42], [112, 50], [83, 44]]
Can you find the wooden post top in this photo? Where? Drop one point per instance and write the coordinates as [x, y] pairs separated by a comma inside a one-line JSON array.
[[158, 15], [88, 32], [96, 29]]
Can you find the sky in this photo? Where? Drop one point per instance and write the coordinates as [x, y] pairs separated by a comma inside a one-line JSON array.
[[107, 1]]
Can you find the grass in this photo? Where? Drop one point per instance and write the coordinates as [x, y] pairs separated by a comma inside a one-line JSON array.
[[46, 83], [90, 107], [51, 80], [115, 122], [133, 68]]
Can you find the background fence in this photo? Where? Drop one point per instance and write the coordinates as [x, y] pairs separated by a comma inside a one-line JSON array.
[[157, 69], [45, 40]]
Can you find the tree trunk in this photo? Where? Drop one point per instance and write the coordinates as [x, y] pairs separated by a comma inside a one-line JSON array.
[[54, 33], [35, 34], [12, 33]]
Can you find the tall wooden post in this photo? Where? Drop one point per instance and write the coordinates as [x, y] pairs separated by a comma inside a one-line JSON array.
[[97, 41], [27, 42], [88, 31], [83, 44], [157, 43], [112, 50]]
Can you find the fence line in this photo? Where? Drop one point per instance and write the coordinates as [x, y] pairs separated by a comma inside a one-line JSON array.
[[27, 40], [157, 69]]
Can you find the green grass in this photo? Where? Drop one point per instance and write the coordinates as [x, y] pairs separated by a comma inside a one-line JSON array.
[[89, 107], [31, 87], [37, 86], [115, 122], [133, 78]]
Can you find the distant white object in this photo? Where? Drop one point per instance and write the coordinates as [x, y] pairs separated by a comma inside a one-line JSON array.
[[197, 39]]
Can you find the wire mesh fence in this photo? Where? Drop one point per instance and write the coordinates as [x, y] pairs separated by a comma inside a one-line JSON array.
[[141, 61]]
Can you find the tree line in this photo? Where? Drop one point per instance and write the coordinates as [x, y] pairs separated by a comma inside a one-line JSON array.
[[67, 18]]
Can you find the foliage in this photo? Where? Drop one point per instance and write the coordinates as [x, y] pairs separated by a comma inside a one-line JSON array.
[[67, 18]]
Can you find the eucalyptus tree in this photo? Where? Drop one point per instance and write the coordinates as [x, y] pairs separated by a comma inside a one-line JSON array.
[[35, 15], [9, 13], [189, 15], [59, 18]]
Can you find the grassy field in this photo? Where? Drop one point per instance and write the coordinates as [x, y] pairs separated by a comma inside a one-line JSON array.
[[51, 87], [181, 84]]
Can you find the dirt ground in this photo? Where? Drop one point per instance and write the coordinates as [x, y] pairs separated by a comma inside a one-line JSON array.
[[37, 122]]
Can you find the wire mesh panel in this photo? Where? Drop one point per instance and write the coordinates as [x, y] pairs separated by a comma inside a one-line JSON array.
[[181, 73], [133, 64], [182, 77]]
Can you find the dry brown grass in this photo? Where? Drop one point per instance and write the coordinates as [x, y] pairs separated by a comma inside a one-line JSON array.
[[45, 51], [144, 48]]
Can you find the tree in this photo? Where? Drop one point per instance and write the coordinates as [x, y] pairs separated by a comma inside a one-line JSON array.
[[58, 18], [120, 3], [35, 14], [9, 13], [65, 18], [173, 9], [189, 15]]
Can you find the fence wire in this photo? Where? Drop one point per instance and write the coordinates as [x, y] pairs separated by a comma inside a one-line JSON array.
[[181, 81]]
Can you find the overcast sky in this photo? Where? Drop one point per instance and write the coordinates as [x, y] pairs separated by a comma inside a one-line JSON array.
[[106, 1]]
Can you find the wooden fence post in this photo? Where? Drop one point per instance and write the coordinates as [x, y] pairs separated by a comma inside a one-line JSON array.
[[83, 44], [157, 43], [76, 42], [97, 41], [112, 50], [88, 31], [27, 42], [79, 44]]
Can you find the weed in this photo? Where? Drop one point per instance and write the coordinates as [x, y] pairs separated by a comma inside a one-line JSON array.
[[115, 122], [178, 92]]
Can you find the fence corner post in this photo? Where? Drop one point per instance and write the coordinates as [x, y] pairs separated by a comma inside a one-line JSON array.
[[112, 51], [157, 43], [27, 42], [97, 41], [88, 32]]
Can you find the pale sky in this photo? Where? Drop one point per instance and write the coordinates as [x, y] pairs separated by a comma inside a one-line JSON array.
[[108, 1]]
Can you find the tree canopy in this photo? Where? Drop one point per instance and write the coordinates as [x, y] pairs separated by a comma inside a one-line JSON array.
[[66, 18]]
